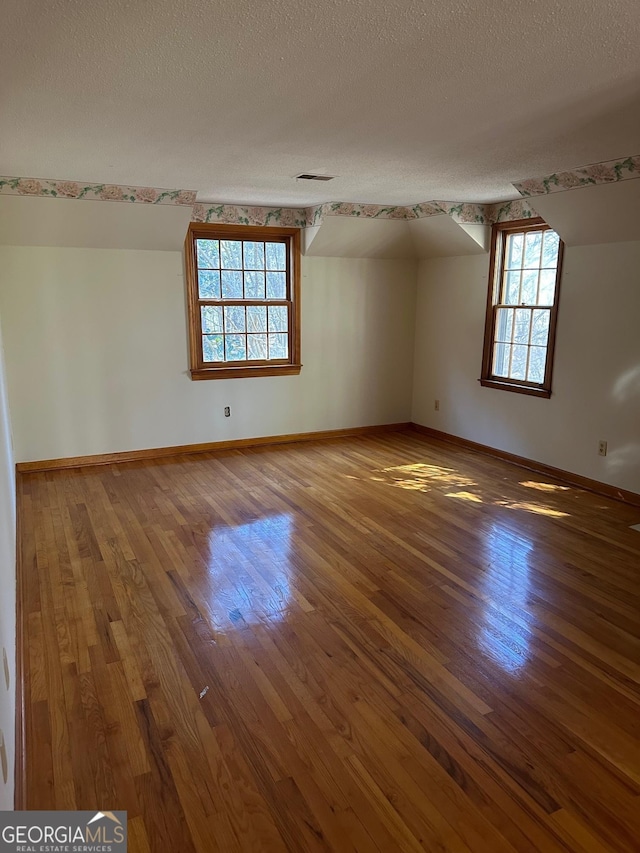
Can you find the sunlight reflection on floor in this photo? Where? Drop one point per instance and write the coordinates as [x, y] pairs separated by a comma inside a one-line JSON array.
[[506, 580], [545, 487], [537, 509], [421, 477], [258, 588], [464, 496]]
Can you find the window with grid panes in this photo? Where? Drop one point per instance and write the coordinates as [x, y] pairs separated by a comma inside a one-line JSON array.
[[243, 285], [526, 258]]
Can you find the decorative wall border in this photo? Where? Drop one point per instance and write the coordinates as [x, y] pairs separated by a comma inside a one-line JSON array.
[[365, 211], [94, 192], [233, 214], [461, 212], [597, 173], [303, 217], [509, 211]]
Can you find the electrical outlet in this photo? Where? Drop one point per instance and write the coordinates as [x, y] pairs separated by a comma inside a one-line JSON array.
[[227, 411], [436, 405], [602, 448]]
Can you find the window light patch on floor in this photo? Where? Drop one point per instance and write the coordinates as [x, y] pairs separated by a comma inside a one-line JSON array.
[[422, 477], [544, 487], [537, 509], [464, 496]]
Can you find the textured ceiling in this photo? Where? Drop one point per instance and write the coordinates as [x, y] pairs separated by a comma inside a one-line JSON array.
[[404, 100]]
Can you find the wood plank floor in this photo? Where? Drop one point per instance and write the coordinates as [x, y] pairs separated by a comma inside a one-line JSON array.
[[373, 644]]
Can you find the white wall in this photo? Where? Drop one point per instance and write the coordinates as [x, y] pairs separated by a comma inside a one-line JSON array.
[[7, 591], [596, 384], [96, 352]]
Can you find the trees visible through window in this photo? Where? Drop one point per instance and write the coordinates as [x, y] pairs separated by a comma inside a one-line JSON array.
[[526, 259], [243, 286]]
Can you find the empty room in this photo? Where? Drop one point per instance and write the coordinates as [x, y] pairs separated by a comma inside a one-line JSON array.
[[320, 426]]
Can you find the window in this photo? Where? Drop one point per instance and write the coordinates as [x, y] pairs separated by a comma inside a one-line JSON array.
[[243, 288], [526, 260]]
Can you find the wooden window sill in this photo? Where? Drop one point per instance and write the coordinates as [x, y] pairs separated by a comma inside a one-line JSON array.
[[239, 372], [531, 390]]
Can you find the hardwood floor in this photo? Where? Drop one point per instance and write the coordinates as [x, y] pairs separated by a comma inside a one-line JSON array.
[[373, 644]]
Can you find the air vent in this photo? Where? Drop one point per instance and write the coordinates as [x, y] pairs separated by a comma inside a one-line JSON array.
[[308, 177]]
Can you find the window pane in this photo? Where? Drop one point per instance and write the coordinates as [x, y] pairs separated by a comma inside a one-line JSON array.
[[529, 287], [519, 362], [231, 253], [213, 347], [231, 285], [209, 284], [254, 285], [540, 329], [211, 316], [276, 285], [532, 249], [547, 287], [522, 322], [512, 288], [257, 318], [253, 256], [550, 249], [278, 318], [235, 347], [278, 346], [501, 355], [504, 324], [515, 243], [276, 256], [208, 254], [537, 363], [257, 347], [234, 318]]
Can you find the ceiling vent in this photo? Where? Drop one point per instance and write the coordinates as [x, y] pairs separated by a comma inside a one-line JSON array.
[[305, 176]]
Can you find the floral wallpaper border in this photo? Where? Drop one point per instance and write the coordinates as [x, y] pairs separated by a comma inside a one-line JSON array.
[[301, 217], [609, 172], [233, 214], [96, 192], [462, 212], [509, 211]]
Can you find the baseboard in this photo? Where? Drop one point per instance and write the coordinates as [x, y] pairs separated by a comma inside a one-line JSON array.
[[20, 770], [604, 489], [209, 447]]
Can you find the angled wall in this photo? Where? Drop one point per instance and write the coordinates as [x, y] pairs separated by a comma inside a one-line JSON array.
[[7, 599], [596, 384]]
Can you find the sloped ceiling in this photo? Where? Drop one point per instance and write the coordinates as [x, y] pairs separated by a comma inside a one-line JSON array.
[[344, 237], [441, 236], [605, 213], [431, 237], [91, 225]]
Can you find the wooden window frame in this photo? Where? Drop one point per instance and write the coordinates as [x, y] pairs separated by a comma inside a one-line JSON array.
[[200, 369], [500, 231]]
